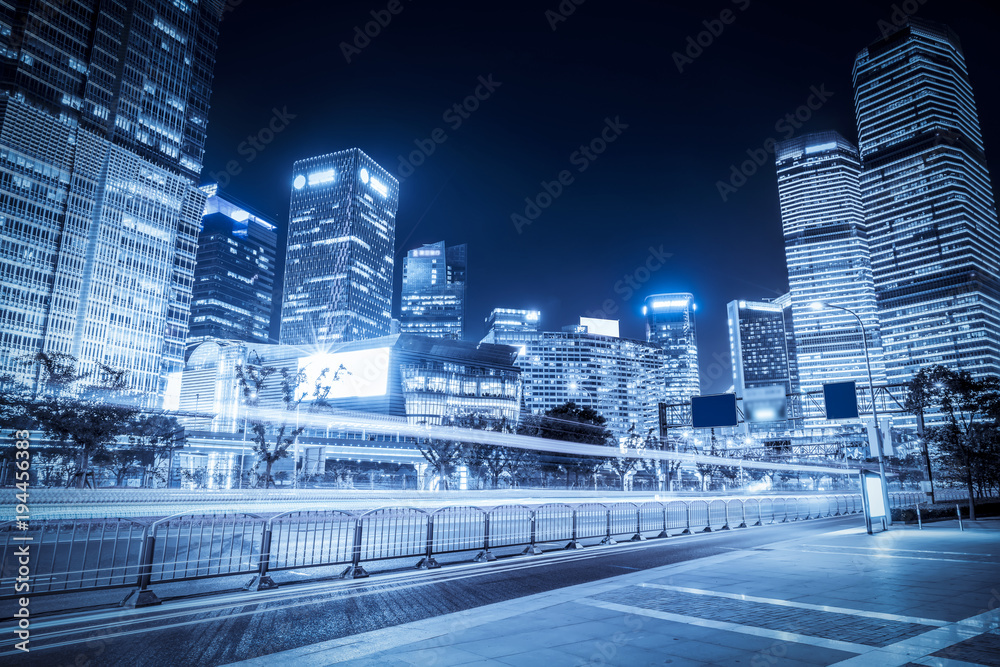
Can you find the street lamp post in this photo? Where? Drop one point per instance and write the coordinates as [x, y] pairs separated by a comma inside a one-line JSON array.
[[820, 305]]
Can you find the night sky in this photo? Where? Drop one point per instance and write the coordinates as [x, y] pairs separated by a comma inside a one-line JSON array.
[[654, 186]]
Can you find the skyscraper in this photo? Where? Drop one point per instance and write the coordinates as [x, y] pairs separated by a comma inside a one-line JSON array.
[[935, 244], [670, 323], [433, 302], [826, 249], [103, 115], [762, 345], [341, 240], [510, 319], [234, 276]]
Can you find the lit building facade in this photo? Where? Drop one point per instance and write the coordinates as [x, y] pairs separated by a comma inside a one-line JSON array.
[[510, 319], [616, 377], [433, 300], [102, 131], [670, 323], [341, 243], [827, 253], [234, 275], [762, 345], [426, 380], [931, 214]]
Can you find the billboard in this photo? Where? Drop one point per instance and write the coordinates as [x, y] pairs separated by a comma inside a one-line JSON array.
[[713, 410], [841, 400], [765, 404], [600, 327], [355, 374]]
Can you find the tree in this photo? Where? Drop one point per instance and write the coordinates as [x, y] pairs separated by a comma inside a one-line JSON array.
[[569, 422], [83, 412], [971, 411], [155, 437], [626, 466], [252, 379], [492, 461]]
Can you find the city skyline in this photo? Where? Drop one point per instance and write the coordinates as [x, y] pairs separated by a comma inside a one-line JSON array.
[[487, 185]]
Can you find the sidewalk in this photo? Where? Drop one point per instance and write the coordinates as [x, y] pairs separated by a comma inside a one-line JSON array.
[[901, 598]]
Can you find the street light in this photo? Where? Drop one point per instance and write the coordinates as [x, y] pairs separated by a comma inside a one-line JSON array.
[[820, 305]]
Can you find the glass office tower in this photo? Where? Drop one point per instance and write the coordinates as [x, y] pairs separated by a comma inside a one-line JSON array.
[[433, 302], [935, 244], [762, 345], [670, 323], [103, 114], [826, 249], [341, 240], [234, 276]]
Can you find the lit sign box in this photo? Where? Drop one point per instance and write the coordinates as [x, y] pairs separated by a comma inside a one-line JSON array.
[[365, 373], [876, 506], [765, 404], [841, 400], [600, 327], [713, 410]]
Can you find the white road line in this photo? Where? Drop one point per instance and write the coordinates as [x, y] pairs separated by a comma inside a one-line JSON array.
[[803, 605], [850, 553], [918, 551], [731, 627], [919, 648]]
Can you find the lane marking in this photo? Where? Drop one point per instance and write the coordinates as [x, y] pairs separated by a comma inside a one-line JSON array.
[[778, 635], [849, 553], [802, 605], [919, 551]]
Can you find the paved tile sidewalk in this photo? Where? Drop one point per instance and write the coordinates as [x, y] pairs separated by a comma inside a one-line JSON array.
[[904, 597]]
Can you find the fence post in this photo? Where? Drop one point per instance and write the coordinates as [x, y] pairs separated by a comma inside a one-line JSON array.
[[920, 524], [958, 510], [607, 537], [808, 509], [574, 543], [743, 507], [726, 525], [785, 518], [532, 549], [664, 533], [687, 519], [262, 581], [354, 570], [638, 524], [485, 556], [428, 562], [142, 596]]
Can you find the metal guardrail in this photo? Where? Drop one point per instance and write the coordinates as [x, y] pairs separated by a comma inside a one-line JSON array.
[[117, 553]]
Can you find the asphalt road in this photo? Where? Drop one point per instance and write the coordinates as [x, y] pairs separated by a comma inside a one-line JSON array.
[[223, 628]]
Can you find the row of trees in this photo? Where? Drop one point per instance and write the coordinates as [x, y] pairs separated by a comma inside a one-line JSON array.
[[83, 415]]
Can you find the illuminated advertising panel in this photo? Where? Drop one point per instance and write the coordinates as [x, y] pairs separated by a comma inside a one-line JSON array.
[[600, 327], [355, 374], [765, 404], [713, 410]]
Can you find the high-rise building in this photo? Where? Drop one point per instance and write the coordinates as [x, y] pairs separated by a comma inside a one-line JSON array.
[[433, 301], [510, 319], [234, 276], [103, 114], [762, 345], [935, 243], [614, 376], [827, 253], [341, 240], [670, 323]]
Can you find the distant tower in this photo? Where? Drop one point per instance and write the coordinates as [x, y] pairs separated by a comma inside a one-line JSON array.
[[826, 249], [670, 323], [341, 240], [935, 243], [234, 276], [433, 302], [762, 345]]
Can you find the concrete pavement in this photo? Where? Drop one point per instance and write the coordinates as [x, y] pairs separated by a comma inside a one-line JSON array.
[[901, 598]]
